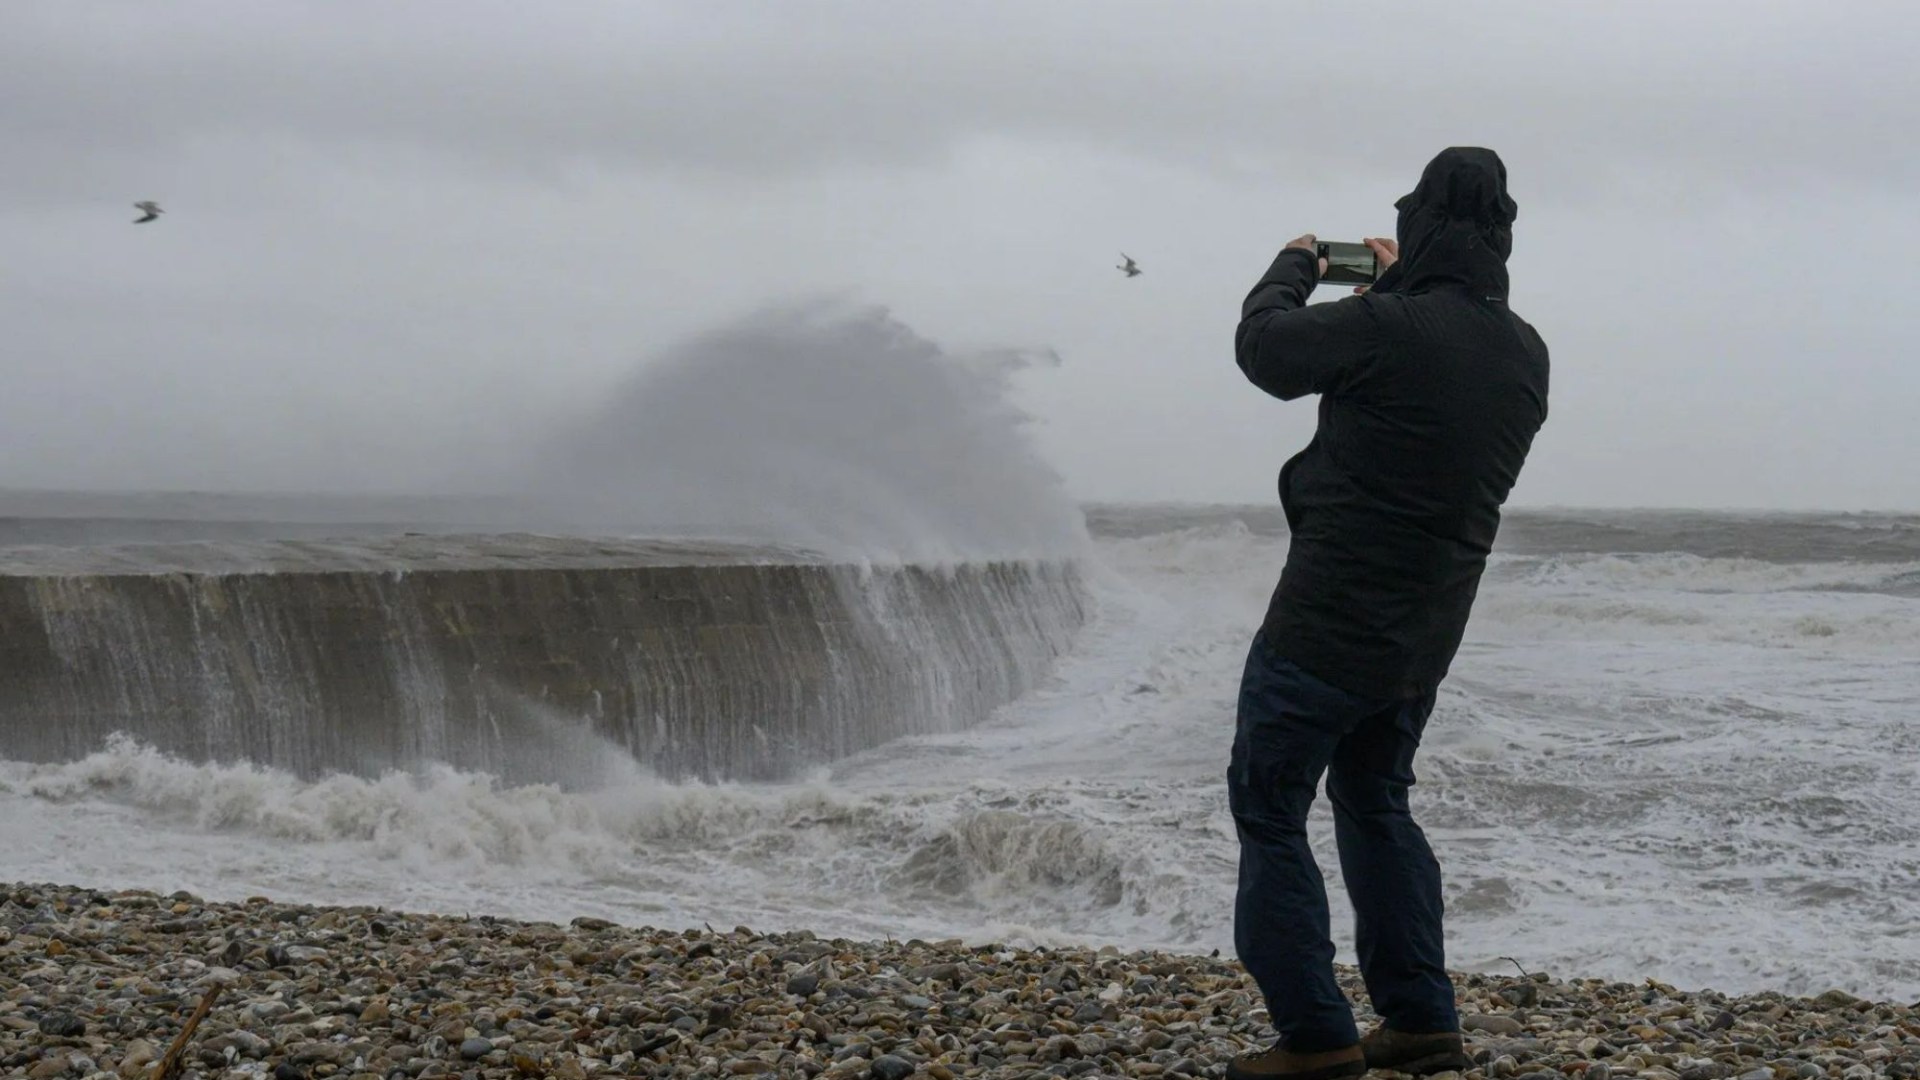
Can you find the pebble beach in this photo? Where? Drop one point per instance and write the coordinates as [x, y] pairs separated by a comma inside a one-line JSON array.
[[96, 984]]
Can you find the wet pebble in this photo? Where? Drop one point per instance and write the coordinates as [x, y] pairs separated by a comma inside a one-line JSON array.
[[1492, 1025], [62, 1025], [360, 994]]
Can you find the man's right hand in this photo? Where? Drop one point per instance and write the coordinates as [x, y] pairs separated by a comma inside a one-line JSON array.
[[1385, 251], [1306, 242]]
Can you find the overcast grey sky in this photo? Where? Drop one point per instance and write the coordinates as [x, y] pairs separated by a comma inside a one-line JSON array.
[[393, 229]]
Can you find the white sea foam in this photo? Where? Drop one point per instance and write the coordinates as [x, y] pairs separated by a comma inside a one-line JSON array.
[[1688, 574]]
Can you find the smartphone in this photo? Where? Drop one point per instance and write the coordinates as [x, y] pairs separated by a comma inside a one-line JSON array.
[[1348, 264]]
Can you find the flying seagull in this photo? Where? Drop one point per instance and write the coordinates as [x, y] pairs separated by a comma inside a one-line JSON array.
[[1129, 268], [150, 208]]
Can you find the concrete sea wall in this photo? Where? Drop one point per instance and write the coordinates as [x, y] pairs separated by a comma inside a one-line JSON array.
[[528, 658]]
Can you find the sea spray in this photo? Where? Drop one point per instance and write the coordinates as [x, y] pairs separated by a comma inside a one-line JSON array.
[[820, 427], [868, 547]]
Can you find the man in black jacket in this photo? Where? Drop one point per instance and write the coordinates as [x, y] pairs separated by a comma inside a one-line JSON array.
[[1431, 390]]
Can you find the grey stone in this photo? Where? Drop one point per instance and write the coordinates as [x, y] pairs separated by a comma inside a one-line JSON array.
[[803, 984], [1062, 977], [62, 1025], [1522, 994], [948, 973], [1060, 1048], [314, 1053], [889, 1067], [475, 1049], [1492, 1025], [1838, 999]]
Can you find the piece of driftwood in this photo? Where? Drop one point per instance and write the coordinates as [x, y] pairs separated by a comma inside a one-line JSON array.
[[176, 1054]]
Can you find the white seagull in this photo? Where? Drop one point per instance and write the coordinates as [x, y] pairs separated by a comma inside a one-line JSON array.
[[150, 208], [1129, 268]]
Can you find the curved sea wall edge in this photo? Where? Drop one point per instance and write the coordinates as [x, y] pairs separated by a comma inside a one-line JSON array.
[[528, 661]]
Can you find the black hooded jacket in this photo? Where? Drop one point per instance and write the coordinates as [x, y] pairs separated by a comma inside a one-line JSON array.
[[1431, 391]]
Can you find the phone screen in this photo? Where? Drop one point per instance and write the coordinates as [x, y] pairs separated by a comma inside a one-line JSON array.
[[1348, 264]]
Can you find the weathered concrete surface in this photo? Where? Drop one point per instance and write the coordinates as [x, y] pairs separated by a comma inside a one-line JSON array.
[[528, 658]]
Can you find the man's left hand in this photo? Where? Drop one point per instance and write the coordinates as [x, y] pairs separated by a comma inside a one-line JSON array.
[[1306, 243]]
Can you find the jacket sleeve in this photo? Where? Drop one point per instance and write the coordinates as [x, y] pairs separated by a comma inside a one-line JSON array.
[[1290, 349]]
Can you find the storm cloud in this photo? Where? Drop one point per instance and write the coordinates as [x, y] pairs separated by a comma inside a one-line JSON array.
[[396, 233]]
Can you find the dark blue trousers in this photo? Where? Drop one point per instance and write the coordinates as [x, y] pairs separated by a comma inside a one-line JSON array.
[[1293, 728]]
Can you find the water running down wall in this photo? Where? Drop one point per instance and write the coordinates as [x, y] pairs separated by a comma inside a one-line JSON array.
[[528, 658]]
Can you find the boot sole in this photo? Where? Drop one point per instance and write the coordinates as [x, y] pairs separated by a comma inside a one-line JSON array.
[[1449, 1061], [1331, 1072]]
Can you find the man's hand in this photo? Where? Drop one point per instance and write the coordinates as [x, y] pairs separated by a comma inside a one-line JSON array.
[[1385, 252], [1306, 243]]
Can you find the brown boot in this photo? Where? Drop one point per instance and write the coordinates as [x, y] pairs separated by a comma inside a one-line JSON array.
[[1288, 1065], [1407, 1052]]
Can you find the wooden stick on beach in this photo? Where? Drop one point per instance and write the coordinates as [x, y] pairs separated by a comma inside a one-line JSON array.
[[170, 1064]]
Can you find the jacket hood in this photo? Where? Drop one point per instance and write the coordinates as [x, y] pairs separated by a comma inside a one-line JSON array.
[[1456, 226]]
